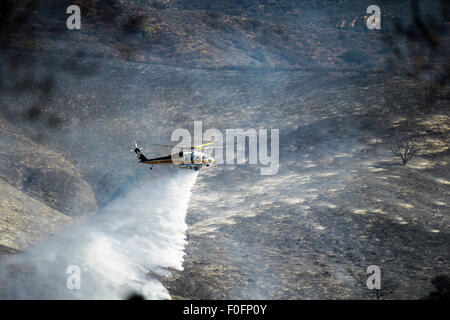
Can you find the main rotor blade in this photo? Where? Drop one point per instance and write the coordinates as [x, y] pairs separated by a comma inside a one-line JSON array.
[[216, 147], [163, 145], [172, 146], [202, 146]]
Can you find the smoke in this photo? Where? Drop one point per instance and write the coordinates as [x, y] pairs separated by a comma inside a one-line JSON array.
[[120, 251]]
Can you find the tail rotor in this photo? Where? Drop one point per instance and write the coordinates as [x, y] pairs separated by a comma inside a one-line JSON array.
[[137, 149]]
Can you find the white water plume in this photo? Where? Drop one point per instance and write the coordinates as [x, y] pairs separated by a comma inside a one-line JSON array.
[[119, 251]]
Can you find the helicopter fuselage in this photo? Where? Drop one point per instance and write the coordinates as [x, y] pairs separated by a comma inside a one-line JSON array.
[[183, 159]]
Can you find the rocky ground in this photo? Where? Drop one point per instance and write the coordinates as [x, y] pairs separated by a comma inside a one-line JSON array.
[[335, 207]]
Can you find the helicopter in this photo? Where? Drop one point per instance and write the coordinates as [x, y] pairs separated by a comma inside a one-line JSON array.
[[190, 159]]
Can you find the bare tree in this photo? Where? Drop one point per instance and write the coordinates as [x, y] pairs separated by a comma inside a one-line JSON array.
[[405, 146]]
